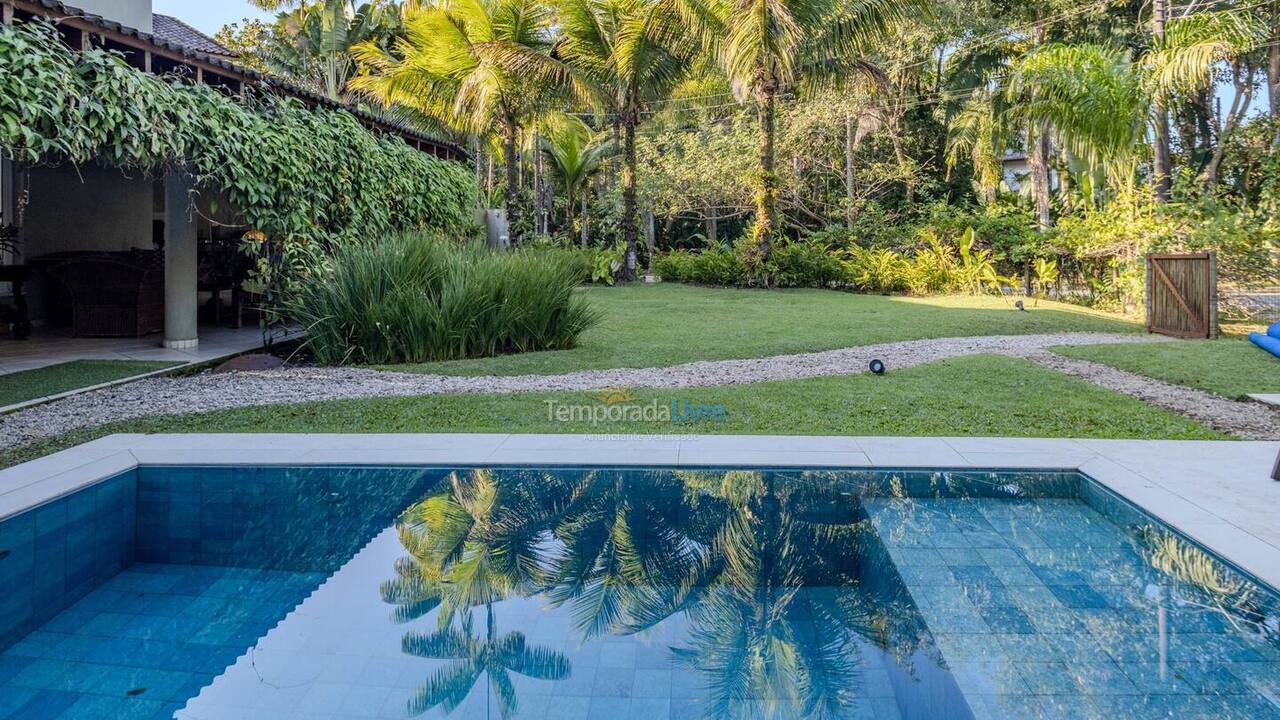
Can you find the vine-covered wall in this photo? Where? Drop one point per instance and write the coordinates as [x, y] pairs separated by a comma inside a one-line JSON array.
[[296, 175]]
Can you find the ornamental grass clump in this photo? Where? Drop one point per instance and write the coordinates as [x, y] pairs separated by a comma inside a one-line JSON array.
[[418, 298]]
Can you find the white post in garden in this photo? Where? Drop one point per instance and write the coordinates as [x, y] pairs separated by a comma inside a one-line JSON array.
[[180, 269]]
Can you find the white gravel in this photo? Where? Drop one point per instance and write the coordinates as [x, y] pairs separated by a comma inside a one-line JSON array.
[[209, 391], [1249, 420]]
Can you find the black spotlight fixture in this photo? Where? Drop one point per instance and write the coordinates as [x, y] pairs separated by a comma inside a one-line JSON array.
[[877, 367], [1020, 306]]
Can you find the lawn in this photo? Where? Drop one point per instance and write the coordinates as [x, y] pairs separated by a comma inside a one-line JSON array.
[[981, 395], [666, 324], [42, 382], [1231, 368]]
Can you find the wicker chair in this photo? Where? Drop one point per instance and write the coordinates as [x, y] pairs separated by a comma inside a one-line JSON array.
[[114, 295]]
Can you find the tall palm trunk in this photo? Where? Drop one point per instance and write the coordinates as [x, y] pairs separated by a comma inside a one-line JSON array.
[[570, 208], [767, 192], [1162, 158], [510, 132], [848, 168], [630, 220], [1039, 148], [1273, 72], [584, 218], [1039, 161]]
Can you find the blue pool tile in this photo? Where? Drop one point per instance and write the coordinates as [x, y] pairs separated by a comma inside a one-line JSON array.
[[613, 682], [59, 675], [98, 706], [649, 709], [38, 644], [44, 705], [1007, 620], [1153, 678], [12, 698], [1078, 596], [142, 683]]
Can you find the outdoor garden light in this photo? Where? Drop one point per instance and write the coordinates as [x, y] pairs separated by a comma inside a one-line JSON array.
[[877, 367]]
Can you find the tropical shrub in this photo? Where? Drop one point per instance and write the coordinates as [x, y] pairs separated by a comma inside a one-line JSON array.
[[674, 266], [598, 265], [804, 264], [415, 297], [717, 265], [879, 270]]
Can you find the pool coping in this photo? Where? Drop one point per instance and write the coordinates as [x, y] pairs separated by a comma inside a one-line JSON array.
[[1218, 493]]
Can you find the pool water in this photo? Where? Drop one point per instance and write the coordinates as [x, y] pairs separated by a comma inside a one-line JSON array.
[[220, 593]]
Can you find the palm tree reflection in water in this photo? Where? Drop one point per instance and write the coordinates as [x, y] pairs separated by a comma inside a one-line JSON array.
[[777, 582]]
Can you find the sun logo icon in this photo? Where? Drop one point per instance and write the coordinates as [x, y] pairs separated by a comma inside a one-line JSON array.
[[615, 395]]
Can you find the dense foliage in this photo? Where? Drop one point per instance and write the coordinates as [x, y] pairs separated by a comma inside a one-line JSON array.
[[296, 176], [417, 298]]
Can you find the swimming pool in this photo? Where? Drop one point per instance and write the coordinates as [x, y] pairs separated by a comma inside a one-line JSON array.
[[210, 593]]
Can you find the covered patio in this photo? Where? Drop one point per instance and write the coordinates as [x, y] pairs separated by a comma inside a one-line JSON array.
[[53, 347]]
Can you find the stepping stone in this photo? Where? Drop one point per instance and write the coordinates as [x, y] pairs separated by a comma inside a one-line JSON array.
[[249, 363], [1268, 398]]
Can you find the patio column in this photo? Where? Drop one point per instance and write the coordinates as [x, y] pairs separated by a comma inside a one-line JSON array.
[[180, 302]]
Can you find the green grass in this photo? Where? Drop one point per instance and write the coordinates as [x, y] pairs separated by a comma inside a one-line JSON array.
[[666, 324], [981, 395], [42, 382], [1231, 368]]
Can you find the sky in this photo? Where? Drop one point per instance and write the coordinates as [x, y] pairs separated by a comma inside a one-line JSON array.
[[208, 16]]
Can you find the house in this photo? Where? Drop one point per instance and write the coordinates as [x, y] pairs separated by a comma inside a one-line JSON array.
[[1017, 170], [103, 252]]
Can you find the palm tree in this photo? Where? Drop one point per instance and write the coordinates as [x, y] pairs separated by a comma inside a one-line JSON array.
[[630, 53], [313, 43], [979, 131], [495, 656], [473, 64], [474, 544], [767, 47], [622, 532], [573, 158], [774, 605], [1102, 102]]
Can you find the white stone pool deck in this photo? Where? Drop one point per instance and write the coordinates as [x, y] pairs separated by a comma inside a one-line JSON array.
[[1217, 493]]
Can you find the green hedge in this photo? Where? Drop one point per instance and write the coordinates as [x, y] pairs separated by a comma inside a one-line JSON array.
[[417, 298], [296, 175]]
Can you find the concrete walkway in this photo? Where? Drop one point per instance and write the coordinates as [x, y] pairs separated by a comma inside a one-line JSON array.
[[44, 349]]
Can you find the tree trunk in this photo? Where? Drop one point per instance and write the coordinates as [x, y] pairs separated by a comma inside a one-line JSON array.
[[539, 214], [848, 168], [1242, 78], [1162, 161], [479, 168], [767, 193], [1273, 73], [570, 207], [584, 218], [1039, 161], [712, 229], [629, 218], [509, 133]]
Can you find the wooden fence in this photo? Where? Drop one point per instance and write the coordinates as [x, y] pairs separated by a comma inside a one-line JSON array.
[[1182, 295]]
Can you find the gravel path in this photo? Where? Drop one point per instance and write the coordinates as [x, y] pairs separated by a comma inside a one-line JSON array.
[[1249, 420], [207, 392]]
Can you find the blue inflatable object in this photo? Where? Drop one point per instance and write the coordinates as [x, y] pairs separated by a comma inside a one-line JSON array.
[[1269, 342]]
